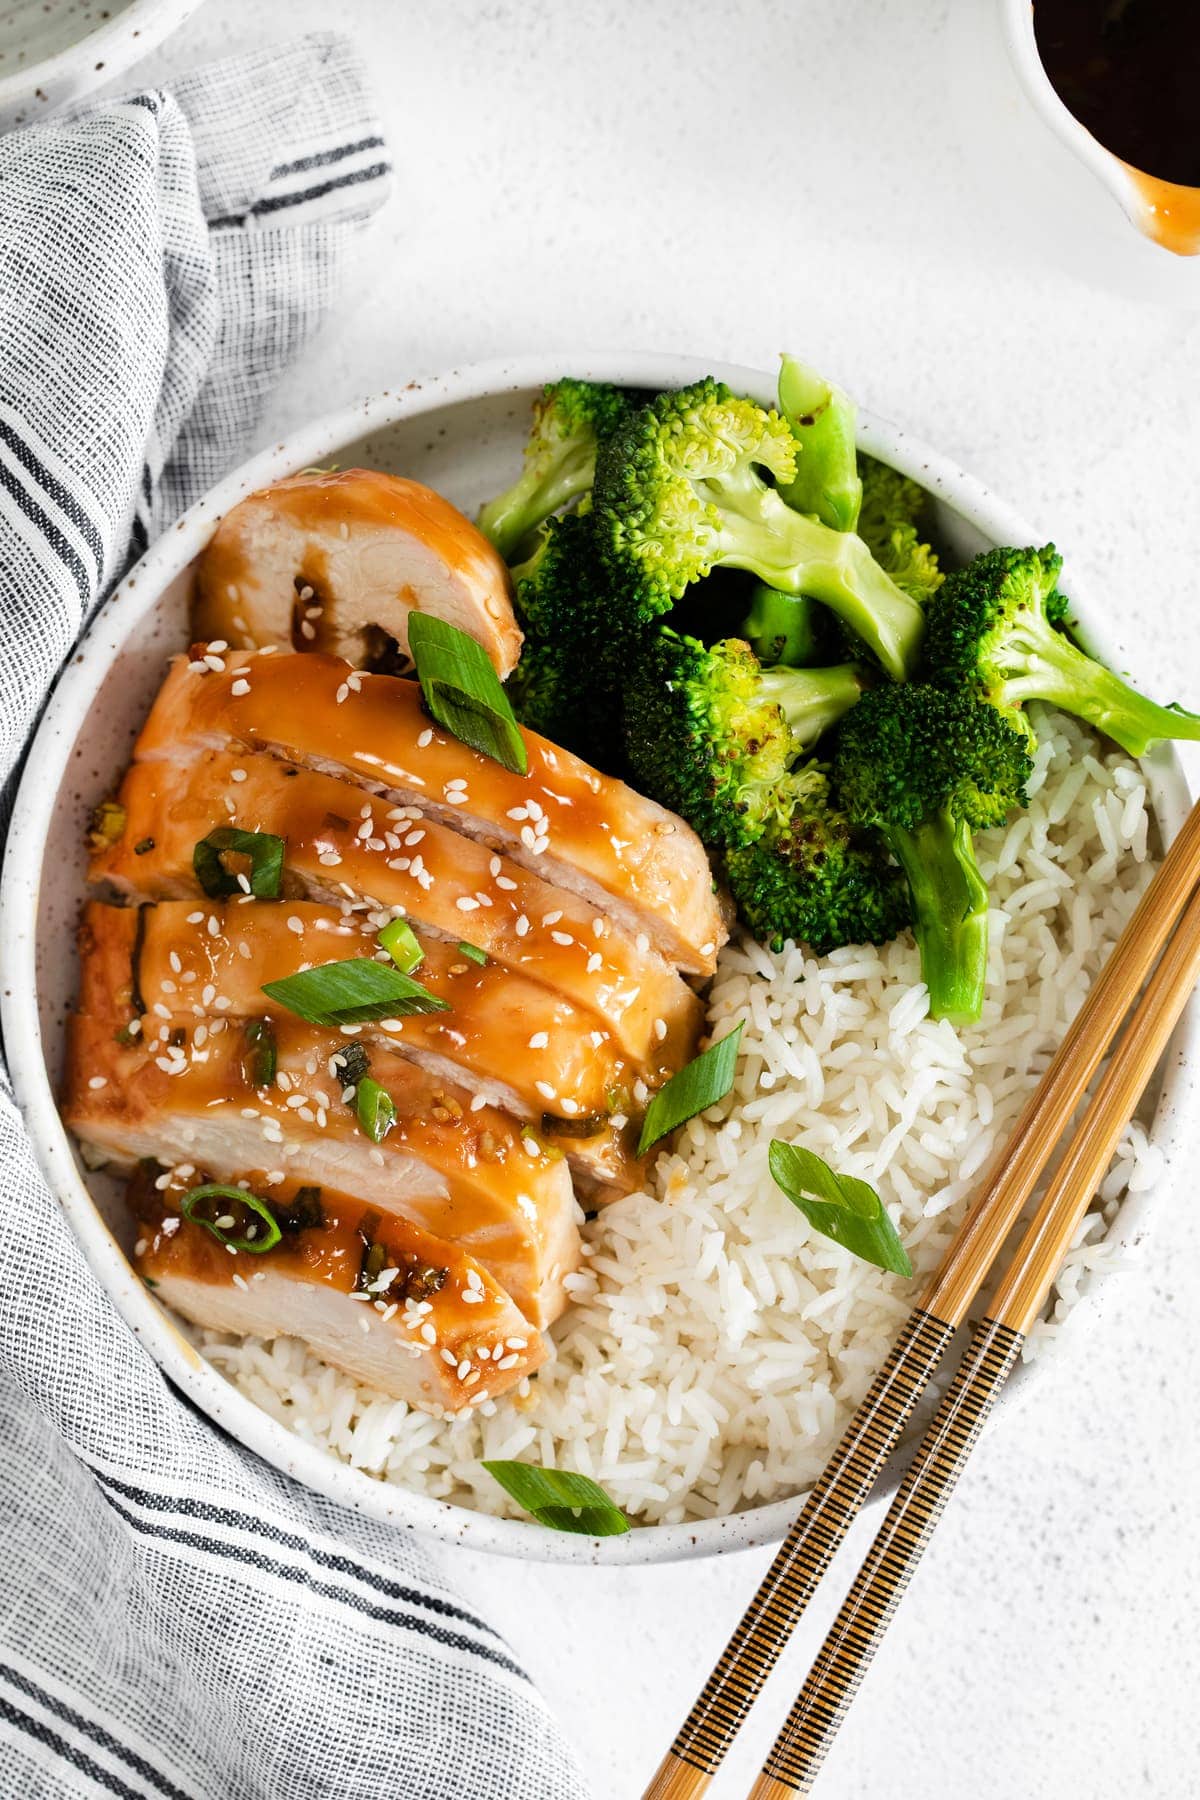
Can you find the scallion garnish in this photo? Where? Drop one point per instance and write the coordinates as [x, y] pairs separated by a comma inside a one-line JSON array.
[[234, 1217], [352, 993], [353, 1062], [473, 952], [559, 1499], [400, 941], [840, 1207], [697, 1086], [263, 851], [303, 1212], [259, 1058], [376, 1109], [463, 692]]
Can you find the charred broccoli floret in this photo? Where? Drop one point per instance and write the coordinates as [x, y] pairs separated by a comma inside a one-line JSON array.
[[711, 734], [812, 877], [923, 766], [822, 419], [569, 420], [996, 629], [680, 491]]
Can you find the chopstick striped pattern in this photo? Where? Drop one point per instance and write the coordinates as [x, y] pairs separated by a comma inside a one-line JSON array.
[[871, 1603], [805, 1554]]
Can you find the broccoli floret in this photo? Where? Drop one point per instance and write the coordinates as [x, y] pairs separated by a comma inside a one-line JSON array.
[[812, 877], [564, 684], [569, 420], [680, 490], [995, 628], [890, 522], [822, 419], [711, 734], [922, 766]]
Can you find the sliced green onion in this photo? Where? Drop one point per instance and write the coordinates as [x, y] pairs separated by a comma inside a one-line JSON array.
[[559, 1499], [376, 1109], [697, 1086], [400, 941], [463, 692], [254, 1226], [473, 951], [583, 1125], [265, 855], [839, 1206], [260, 1057], [352, 993], [354, 1063], [303, 1212]]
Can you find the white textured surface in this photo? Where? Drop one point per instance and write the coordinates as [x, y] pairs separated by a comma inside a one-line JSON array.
[[730, 179]]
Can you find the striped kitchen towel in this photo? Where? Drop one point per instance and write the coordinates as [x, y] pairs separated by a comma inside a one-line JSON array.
[[177, 1620]]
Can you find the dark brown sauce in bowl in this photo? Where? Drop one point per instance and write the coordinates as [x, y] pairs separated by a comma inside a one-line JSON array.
[[1129, 71]]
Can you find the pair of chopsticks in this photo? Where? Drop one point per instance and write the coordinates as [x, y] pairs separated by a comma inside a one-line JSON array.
[[1167, 924]]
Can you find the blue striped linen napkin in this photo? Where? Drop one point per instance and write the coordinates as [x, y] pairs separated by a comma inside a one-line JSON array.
[[177, 1620]]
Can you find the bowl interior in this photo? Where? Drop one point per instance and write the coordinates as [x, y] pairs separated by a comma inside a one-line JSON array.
[[464, 437]]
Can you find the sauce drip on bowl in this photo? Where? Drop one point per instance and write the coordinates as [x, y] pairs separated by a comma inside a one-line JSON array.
[[1129, 71]]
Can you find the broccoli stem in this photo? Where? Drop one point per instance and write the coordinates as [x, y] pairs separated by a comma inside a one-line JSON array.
[[782, 628], [811, 700], [950, 913], [760, 532], [822, 422], [1057, 671], [537, 492]]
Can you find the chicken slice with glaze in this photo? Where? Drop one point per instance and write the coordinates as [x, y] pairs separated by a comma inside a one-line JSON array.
[[582, 831], [343, 845], [337, 561], [198, 1093], [397, 1308], [508, 1041]]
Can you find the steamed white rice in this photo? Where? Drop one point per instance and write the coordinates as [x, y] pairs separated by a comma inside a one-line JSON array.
[[717, 1345]]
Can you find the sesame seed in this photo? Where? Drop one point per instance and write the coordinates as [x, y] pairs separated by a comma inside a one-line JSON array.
[[341, 694], [522, 925], [539, 1040], [194, 918], [463, 1369], [478, 1102], [448, 1356], [295, 924], [98, 1081], [215, 664], [551, 918], [544, 1089], [660, 1029], [237, 774], [472, 1297], [531, 1146], [594, 962], [240, 686], [464, 903], [505, 882], [561, 937], [508, 1362]]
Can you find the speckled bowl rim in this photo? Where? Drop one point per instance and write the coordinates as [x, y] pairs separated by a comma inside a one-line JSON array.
[[47, 767], [117, 43]]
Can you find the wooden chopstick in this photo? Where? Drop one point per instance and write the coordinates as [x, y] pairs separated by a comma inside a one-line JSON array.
[[800, 1748], [875, 1430]]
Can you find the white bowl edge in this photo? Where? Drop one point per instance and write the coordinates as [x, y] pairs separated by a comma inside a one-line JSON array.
[[46, 767]]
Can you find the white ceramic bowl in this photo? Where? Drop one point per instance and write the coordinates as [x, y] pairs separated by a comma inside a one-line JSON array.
[[462, 433], [56, 51]]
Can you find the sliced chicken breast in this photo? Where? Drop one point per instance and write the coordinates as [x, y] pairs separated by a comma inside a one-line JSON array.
[[342, 845], [507, 1041], [186, 1094], [396, 1308], [338, 562], [582, 831]]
